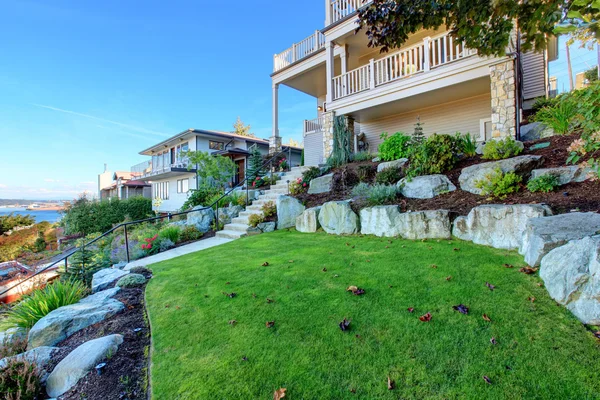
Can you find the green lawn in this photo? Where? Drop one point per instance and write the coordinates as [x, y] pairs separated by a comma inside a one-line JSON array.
[[542, 351]]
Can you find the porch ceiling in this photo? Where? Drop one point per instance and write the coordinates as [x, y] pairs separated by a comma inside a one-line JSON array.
[[311, 82], [447, 94]]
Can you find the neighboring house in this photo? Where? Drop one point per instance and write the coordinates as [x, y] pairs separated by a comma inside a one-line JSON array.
[[124, 185], [170, 174], [449, 87]]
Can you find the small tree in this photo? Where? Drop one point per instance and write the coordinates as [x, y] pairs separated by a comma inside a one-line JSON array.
[[239, 128], [418, 136], [255, 167], [212, 170]]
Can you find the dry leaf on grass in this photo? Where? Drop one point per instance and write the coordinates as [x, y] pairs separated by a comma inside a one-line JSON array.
[[597, 334], [448, 278], [486, 318], [265, 264], [270, 324], [528, 270], [231, 295], [487, 380], [324, 270], [279, 394], [232, 322], [461, 308], [410, 309], [508, 266], [270, 300], [493, 341], [456, 249], [433, 266], [425, 318], [355, 290], [345, 325], [531, 299], [490, 286], [391, 384]]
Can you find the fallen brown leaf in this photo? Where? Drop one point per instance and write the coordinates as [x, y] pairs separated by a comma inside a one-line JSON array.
[[531, 299], [279, 394], [486, 318], [425, 318], [270, 324], [449, 277], [355, 290], [540, 284], [265, 264], [227, 283], [232, 322], [490, 286], [456, 249], [270, 300], [231, 295], [487, 380], [244, 358], [391, 384], [345, 325], [410, 309], [508, 266], [254, 295], [368, 260], [597, 334], [324, 270], [493, 341], [528, 270], [291, 261], [433, 266], [461, 308]]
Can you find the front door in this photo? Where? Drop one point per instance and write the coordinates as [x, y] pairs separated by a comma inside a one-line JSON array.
[[241, 171]]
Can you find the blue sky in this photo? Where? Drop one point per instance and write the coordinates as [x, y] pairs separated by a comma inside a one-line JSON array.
[[83, 83], [582, 59]]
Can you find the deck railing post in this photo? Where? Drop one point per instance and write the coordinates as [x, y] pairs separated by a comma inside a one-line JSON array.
[[372, 73], [426, 60], [126, 243]]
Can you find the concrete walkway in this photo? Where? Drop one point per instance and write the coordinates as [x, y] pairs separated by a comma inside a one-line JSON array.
[[179, 251]]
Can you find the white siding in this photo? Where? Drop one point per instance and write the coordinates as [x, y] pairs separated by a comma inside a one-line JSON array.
[[459, 116], [534, 75], [313, 149], [175, 200]]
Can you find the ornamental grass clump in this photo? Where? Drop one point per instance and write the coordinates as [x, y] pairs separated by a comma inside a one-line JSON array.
[[41, 302]]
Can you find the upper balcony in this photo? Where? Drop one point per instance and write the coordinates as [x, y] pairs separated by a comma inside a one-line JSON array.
[[155, 169], [299, 51]]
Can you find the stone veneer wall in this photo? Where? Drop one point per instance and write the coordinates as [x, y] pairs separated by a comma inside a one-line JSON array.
[[274, 144], [503, 90]]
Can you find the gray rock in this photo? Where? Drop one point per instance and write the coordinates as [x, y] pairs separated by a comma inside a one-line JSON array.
[[381, 221], [521, 165], [321, 184], [120, 265], [572, 173], [499, 226], [425, 187], [535, 131], [389, 164], [480, 147], [544, 234], [105, 277], [571, 274], [12, 333], [308, 221], [266, 227], [336, 217], [376, 159], [40, 355], [253, 231], [226, 214], [65, 321], [131, 280], [288, 208], [434, 224], [201, 218], [79, 362]]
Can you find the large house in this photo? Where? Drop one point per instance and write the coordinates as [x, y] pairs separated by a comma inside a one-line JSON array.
[[449, 87], [172, 177]]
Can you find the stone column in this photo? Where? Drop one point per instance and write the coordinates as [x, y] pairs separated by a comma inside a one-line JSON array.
[[327, 134], [275, 140], [503, 93]]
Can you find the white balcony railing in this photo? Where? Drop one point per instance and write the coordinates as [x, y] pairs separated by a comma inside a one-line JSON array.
[[298, 51], [313, 125], [415, 59], [162, 169]]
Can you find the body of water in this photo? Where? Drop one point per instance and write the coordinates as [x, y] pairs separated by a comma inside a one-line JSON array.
[[39, 215]]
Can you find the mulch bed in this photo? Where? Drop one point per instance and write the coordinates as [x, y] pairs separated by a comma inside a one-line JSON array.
[[574, 196], [126, 374]]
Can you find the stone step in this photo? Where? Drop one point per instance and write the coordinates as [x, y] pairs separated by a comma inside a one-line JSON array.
[[230, 234], [236, 227], [241, 220]]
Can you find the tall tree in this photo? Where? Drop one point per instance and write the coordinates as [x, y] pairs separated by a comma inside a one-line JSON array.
[[239, 128], [484, 25], [212, 170]]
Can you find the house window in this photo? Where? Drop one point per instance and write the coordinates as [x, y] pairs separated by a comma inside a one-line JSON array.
[[216, 145], [182, 148], [183, 185], [161, 190]]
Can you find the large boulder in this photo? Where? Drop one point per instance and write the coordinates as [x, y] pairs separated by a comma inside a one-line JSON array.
[[432, 224], [572, 173], [288, 208], [79, 362], [226, 214], [544, 234], [392, 164], [381, 221], [105, 277], [535, 131], [40, 355], [571, 274], [425, 187], [336, 217], [321, 184], [202, 218], [499, 226], [65, 321], [521, 165], [267, 227], [308, 221]]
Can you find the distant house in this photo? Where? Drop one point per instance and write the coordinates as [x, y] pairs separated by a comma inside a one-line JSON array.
[[122, 185], [170, 174]]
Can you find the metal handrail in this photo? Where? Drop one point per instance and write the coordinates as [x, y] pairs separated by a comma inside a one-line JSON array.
[[124, 225]]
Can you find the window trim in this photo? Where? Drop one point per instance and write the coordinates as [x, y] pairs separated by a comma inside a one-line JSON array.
[[218, 148], [180, 185], [482, 123]]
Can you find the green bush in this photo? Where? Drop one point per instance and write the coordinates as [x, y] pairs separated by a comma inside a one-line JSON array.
[[269, 209], [559, 117], [8, 222], [83, 264], [382, 194], [41, 302], [498, 184], [201, 196], [467, 144], [389, 176], [132, 280], [501, 149], [545, 183], [395, 146], [436, 155], [190, 233], [21, 379], [310, 174], [543, 102], [255, 219], [362, 156], [170, 232]]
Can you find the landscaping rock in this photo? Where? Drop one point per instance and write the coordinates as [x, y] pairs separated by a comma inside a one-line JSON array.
[[253, 231], [65, 321], [479, 148], [336, 217], [376, 159], [201, 218], [396, 163], [267, 227], [544, 234], [565, 175], [120, 265], [381, 221], [434, 224], [521, 165], [425, 187], [40, 355], [535, 131], [499, 226], [105, 277], [12, 333], [79, 362], [288, 208], [226, 214], [308, 221], [571, 274], [321, 184], [131, 280]]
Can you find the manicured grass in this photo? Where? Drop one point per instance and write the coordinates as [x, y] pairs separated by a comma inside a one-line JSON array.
[[542, 351]]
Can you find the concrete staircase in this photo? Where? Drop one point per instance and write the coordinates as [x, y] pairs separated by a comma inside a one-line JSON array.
[[239, 226]]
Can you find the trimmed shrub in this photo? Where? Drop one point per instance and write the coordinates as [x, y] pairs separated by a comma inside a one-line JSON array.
[[389, 176], [269, 209], [545, 183], [394, 147], [436, 155], [190, 233], [132, 280], [41, 302], [381, 194], [255, 219], [170, 232], [200, 196], [498, 184], [21, 380], [501, 149]]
